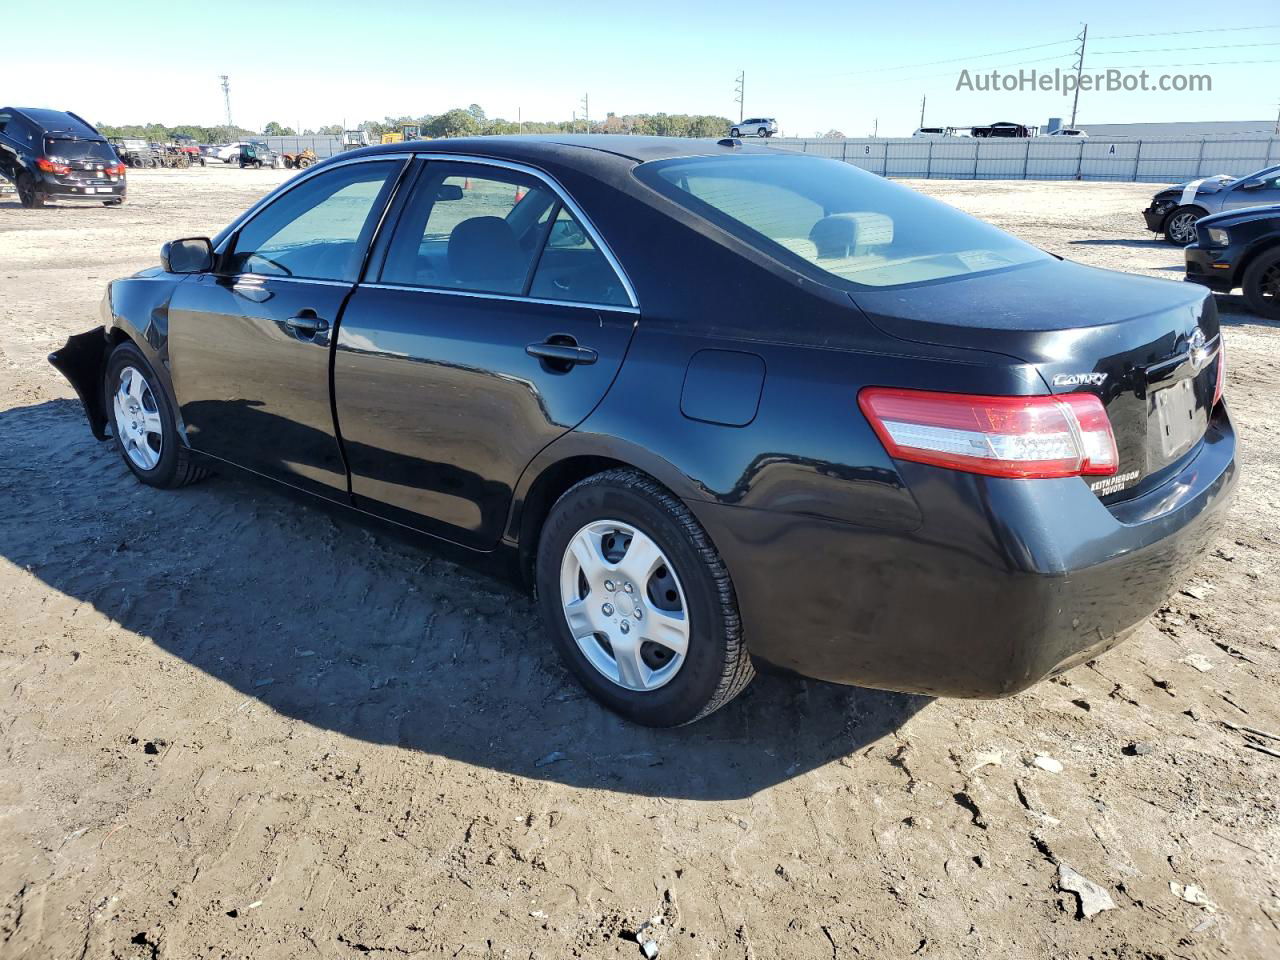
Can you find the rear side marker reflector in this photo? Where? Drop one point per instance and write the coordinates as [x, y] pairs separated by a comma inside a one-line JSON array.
[[1067, 435], [1220, 383]]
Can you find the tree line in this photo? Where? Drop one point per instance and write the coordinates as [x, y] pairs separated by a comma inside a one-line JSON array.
[[452, 123]]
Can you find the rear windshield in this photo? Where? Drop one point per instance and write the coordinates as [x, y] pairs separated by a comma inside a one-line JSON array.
[[831, 217], [65, 149]]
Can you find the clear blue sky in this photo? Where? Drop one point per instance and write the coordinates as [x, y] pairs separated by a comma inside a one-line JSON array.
[[813, 65]]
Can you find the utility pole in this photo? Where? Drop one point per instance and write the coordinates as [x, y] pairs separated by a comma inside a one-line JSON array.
[[586, 112], [1278, 119], [740, 87], [519, 120], [1075, 101], [226, 99], [875, 127], [922, 100]]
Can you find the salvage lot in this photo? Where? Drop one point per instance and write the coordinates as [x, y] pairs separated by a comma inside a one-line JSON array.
[[237, 726]]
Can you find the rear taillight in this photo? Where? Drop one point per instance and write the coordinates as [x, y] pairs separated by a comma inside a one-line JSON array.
[[1220, 383], [1063, 436], [52, 166], [118, 170]]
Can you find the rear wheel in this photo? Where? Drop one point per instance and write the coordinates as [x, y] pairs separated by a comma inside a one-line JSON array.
[[1261, 285], [29, 194], [762, 132], [735, 132], [1180, 226], [639, 603], [143, 422]]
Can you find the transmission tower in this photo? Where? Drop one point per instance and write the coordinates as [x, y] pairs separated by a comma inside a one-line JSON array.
[[739, 89], [226, 97], [1075, 102]]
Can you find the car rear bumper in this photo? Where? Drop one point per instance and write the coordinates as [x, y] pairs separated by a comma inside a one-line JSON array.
[[1005, 583], [58, 188]]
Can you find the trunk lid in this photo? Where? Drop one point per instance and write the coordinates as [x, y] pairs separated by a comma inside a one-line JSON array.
[[1147, 348]]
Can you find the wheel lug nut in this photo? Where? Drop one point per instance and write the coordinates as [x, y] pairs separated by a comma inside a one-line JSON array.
[[624, 627], [629, 588], [610, 586], [638, 614], [607, 609]]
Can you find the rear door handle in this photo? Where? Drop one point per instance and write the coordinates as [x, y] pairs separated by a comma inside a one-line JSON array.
[[309, 325], [562, 353]]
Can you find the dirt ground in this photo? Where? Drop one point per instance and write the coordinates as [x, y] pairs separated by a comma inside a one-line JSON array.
[[234, 726]]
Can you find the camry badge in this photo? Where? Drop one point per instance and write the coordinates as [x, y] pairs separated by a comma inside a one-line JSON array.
[[1078, 379]]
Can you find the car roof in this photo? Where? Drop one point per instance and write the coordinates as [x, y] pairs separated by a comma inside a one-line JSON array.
[[58, 121], [581, 150]]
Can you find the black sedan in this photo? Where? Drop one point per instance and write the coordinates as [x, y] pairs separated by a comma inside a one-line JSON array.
[[1240, 249], [714, 403]]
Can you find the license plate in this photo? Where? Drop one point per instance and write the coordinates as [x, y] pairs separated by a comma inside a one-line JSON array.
[[1176, 418]]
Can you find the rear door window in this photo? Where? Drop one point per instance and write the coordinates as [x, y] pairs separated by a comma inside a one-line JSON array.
[[572, 268], [470, 227]]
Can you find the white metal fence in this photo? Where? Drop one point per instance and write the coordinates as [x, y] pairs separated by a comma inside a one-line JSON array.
[[1048, 158]]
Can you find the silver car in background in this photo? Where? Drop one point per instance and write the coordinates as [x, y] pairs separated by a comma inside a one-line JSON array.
[[755, 127], [1175, 210]]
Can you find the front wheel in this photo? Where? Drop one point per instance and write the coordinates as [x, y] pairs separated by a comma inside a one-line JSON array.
[[762, 132], [1180, 227], [735, 133], [1261, 285], [143, 422], [638, 602]]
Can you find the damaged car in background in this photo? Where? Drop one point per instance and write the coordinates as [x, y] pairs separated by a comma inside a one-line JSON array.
[[922, 455], [1175, 210]]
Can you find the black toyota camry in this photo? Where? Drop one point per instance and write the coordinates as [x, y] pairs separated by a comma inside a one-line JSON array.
[[716, 404]]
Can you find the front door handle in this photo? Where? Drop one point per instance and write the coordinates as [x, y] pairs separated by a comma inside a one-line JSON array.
[[307, 324], [567, 354]]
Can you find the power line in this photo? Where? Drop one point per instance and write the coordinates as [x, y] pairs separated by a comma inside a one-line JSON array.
[[1211, 63], [1221, 46], [1183, 33], [934, 63]]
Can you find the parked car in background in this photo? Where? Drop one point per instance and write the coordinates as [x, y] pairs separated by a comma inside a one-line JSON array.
[[1240, 249], [957, 466], [1068, 132], [54, 155], [135, 152], [930, 132], [1002, 129], [257, 154], [755, 127], [230, 152], [1175, 210]]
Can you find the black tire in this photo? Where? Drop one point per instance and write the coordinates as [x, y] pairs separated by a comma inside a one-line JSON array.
[[176, 466], [763, 132], [29, 194], [735, 133], [716, 666], [1261, 284], [1182, 219], [118, 202]]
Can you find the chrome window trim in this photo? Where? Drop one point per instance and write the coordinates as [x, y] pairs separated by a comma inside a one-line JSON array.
[[565, 199], [511, 297], [239, 278], [296, 181]]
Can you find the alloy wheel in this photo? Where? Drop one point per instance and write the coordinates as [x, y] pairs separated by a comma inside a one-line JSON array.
[[1182, 228], [624, 605], [137, 419], [1270, 283]]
